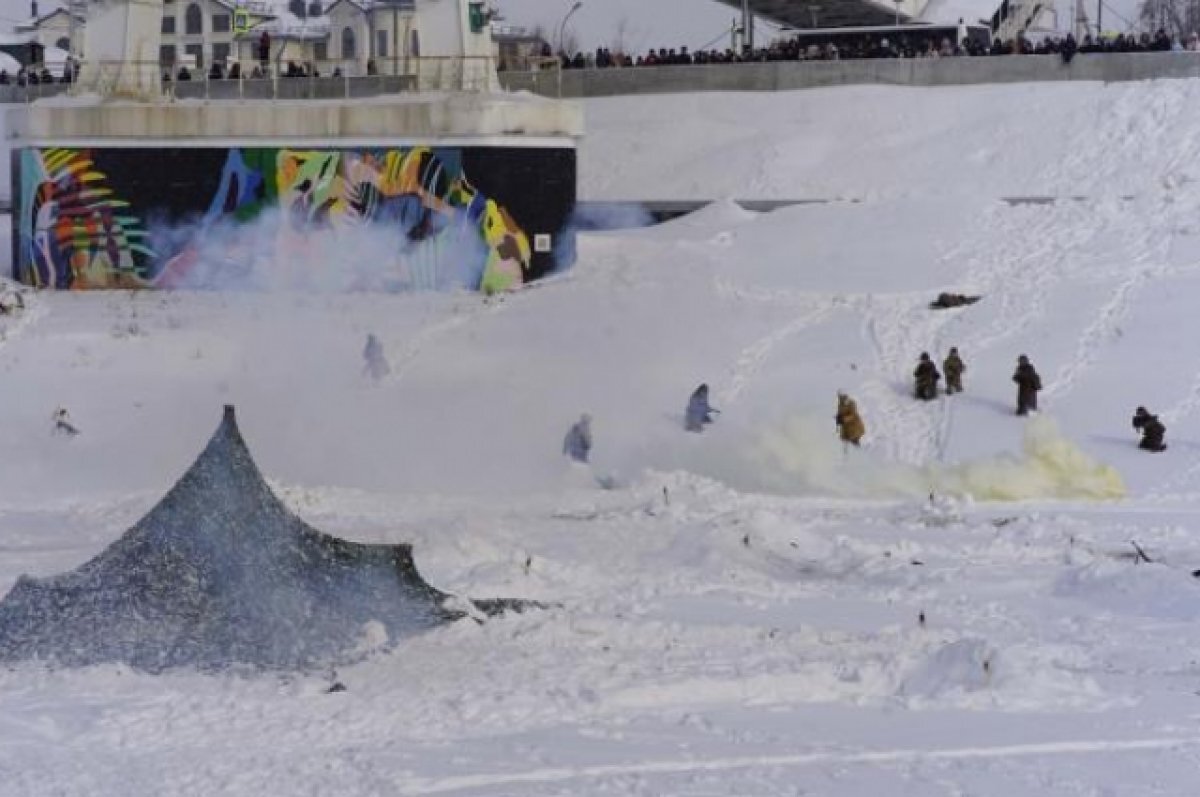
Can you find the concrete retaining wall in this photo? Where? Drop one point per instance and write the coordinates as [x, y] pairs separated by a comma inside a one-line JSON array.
[[436, 118], [788, 75]]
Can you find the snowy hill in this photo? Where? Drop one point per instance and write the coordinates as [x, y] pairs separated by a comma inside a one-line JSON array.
[[740, 612]]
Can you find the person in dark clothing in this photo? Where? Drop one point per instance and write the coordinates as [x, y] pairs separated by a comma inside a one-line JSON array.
[[264, 49], [1069, 48], [947, 300], [926, 376], [375, 364], [1028, 385], [953, 367], [578, 443], [699, 412], [1152, 430], [63, 423]]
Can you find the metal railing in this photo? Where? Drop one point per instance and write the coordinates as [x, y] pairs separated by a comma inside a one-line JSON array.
[[321, 80]]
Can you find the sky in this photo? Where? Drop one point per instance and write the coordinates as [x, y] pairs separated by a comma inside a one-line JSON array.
[[631, 25]]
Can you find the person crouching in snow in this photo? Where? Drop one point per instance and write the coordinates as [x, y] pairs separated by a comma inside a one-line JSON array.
[[698, 410], [1152, 430], [62, 423], [1028, 385], [849, 422], [926, 376], [578, 443]]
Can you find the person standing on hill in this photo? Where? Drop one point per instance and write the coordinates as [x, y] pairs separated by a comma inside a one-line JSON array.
[[849, 423], [953, 367], [1028, 385], [698, 412], [926, 376]]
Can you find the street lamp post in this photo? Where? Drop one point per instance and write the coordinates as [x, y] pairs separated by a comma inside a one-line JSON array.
[[898, 4], [813, 10], [563, 26]]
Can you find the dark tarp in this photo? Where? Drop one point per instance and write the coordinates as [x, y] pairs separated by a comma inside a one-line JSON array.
[[221, 574]]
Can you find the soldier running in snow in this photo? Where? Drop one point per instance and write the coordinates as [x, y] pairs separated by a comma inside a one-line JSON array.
[[927, 376], [849, 422], [62, 423], [376, 365], [698, 410], [953, 367], [578, 443], [1152, 430], [1028, 385]]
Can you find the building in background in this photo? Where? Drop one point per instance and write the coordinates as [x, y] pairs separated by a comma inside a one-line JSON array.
[[353, 37], [517, 48]]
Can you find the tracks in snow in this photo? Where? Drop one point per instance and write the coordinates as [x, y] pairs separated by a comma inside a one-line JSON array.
[[795, 760]]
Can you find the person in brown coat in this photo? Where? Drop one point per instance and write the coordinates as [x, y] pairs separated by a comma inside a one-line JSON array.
[[849, 422], [926, 376], [1028, 385], [953, 367]]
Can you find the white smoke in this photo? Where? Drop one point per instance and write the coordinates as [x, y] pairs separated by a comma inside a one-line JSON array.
[[802, 456], [597, 217], [269, 253]]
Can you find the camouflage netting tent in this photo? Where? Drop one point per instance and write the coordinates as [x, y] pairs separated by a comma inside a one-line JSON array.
[[220, 574]]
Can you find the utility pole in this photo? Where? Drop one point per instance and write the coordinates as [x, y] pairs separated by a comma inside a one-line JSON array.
[[747, 25]]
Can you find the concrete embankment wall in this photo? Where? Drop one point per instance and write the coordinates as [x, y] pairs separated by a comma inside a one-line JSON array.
[[790, 75], [405, 193]]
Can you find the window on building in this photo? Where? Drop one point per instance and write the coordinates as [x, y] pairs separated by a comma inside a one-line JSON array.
[[348, 48], [381, 50], [414, 46], [166, 54], [168, 25], [221, 23], [314, 8], [196, 51], [221, 53], [193, 24], [63, 43], [321, 51], [298, 8]]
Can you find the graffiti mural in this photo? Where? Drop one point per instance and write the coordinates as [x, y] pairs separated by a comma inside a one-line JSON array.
[[74, 231], [415, 218]]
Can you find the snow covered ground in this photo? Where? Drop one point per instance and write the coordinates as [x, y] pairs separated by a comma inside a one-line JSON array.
[[740, 613]]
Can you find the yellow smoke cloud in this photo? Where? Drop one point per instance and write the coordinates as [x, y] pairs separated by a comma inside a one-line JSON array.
[[802, 455]]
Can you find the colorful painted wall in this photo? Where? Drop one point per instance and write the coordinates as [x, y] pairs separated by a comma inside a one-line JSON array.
[[414, 218]]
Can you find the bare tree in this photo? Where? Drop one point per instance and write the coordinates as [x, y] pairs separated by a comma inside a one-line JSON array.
[[620, 32], [570, 43], [1178, 18]]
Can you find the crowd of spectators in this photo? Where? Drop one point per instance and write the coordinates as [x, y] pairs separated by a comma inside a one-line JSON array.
[[291, 69], [905, 44], [39, 75]]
